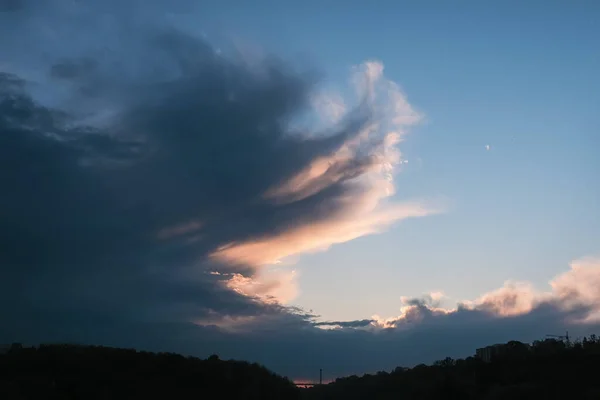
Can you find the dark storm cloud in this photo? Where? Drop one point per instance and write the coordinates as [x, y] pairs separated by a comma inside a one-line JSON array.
[[130, 151], [298, 351], [116, 214], [86, 257], [345, 324], [72, 69], [10, 5]]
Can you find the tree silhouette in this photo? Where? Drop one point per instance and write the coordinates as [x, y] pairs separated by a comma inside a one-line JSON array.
[[548, 369], [89, 372]]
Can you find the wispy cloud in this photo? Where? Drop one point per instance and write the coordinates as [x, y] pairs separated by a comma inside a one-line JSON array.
[[314, 236], [364, 164], [345, 324], [329, 105]]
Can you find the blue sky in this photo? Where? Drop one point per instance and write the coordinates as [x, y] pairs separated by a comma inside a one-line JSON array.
[[151, 180], [519, 77]]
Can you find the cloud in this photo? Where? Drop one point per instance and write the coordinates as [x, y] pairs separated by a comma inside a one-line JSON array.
[[10, 5], [315, 236], [580, 287], [346, 324], [573, 293], [422, 333], [137, 160], [363, 165], [576, 289], [148, 181], [269, 285], [330, 106], [514, 298]]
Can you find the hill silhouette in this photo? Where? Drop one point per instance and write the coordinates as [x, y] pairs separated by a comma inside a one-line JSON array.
[[548, 369], [91, 372]]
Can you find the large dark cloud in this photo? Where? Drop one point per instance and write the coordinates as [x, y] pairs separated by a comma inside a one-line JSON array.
[[10, 5], [130, 151], [85, 205], [122, 171], [345, 324]]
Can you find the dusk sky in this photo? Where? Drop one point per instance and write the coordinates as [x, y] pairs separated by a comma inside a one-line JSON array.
[[344, 185]]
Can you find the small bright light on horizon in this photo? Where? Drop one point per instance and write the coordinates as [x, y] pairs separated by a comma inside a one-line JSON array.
[[487, 146]]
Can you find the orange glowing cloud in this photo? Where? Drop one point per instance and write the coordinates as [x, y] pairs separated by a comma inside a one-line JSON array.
[[365, 163], [514, 298], [316, 236], [270, 286], [578, 287]]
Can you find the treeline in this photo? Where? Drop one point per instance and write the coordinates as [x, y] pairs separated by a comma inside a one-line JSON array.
[[548, 369], [89, 372]]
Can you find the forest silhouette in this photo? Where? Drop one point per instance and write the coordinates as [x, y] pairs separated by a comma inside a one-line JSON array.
[[546, 369]]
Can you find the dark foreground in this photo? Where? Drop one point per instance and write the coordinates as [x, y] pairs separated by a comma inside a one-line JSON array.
[[547, 369], [86, 372]]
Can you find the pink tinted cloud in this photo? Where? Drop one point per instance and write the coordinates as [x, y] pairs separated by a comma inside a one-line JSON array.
[[365, 162], [268, 285], [580, 286], [317, 236], [577, 288]]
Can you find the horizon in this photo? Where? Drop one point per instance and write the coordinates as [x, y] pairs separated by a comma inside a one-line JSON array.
[[288, 185], [322, 380]]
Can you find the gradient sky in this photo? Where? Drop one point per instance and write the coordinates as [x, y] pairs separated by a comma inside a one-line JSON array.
[[167, 184], [517, 76]]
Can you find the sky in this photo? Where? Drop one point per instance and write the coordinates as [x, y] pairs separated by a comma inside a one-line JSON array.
[[337, 185]]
